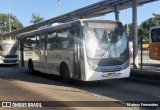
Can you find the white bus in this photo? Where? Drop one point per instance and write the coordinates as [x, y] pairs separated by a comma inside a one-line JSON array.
[[8, 52], [86, 50]]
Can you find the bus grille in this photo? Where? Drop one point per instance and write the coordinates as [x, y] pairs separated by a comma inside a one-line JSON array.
[[9, 61]]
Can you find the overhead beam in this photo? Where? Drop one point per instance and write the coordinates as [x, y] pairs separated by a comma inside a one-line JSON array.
[[121, 2]]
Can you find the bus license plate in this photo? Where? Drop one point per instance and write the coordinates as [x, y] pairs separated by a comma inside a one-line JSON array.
[[111, 74]]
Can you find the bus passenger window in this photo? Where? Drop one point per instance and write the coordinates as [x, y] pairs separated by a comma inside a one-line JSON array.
[[33, 42], [51, 41], [37, 43], [27, 44], [74, 36], [43, 42], [63, 41], [155, 35]]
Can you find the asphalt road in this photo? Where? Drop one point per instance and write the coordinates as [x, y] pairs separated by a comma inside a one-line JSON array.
[[16, 84]]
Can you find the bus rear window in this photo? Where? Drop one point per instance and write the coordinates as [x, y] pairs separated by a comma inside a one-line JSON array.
[[155, 35]]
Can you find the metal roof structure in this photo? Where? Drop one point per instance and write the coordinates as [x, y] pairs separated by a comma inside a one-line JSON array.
[[93, 10]]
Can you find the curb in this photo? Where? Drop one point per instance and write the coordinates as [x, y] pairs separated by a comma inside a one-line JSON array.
[[145, 74]]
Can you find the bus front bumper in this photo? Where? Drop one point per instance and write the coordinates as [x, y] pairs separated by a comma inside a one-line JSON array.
[[94, 75]]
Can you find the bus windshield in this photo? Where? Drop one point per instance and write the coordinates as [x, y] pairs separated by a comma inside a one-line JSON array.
[[7, 49], [155, 35], [106, 43]]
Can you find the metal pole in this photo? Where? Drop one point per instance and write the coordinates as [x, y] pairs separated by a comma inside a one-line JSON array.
[[135, 35], [127, 22], [9, 16], [59, 8], [9, 19], [141, 53], [117, 12]]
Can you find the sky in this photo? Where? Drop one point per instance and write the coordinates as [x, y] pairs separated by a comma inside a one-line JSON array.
[[23, 9]]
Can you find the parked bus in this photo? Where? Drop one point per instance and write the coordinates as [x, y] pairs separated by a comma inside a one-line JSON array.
[[154, 40], [86, 50], [8, 52]]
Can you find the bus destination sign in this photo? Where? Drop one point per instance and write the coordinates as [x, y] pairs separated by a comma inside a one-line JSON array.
[[103, 25]]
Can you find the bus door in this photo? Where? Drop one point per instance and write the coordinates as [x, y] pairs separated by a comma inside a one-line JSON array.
[[43, 52], [75, 33]]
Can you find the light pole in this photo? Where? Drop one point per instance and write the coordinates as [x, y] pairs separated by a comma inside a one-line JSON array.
[[9, 16], [59, 8]]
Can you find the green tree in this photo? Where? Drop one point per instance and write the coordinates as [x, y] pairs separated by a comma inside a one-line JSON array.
[[4, 23], [130, 27], [36, 18], [143, 31]]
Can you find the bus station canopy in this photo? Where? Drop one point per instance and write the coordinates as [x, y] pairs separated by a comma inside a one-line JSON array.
[[90, 11]]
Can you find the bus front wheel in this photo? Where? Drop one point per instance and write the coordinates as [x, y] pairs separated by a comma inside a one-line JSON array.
[[30, 67], [64, 73]]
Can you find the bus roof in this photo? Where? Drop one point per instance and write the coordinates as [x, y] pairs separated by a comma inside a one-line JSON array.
[[7, 41], [61, 25], [155, 27], [49, 28]]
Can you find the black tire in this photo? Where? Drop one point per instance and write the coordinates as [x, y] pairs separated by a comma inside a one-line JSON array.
[[65, 74], [30, 67]]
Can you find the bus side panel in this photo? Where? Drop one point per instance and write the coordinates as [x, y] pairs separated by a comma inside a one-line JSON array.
[[34, 56], [154, 51], [56, 57], [36, 61], [51, 63]]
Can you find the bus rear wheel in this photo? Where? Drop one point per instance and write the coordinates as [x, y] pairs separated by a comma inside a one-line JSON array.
[[65, 74]]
